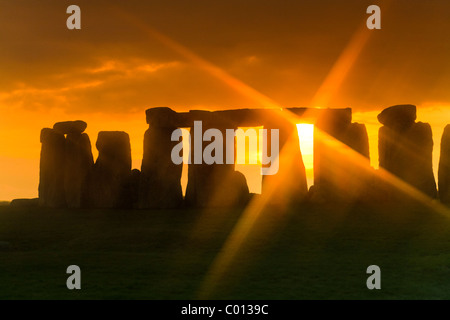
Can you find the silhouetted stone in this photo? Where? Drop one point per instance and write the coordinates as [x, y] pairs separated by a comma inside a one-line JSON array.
[[444, 167], [289, 185], [162, 117], [132, 184], [405, 148], [230, 190], [214, 185], [25, 203], [242, 192], [341, 157], [398, 117], [78, 165], [160, 185], [356, 138], [210, 185], [51, 175], [334, 121], [66, 127], [111, 171]]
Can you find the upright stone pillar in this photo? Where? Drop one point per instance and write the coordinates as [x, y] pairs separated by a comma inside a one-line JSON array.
[[111, 171], [160, 185], [78, 162], [51, 172], [444, 167], [405, 148]]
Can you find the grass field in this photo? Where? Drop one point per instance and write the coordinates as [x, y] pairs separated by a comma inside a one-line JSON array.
[[314, 252]]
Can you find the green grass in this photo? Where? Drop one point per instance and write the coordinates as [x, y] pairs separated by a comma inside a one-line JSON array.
[[314, 252]]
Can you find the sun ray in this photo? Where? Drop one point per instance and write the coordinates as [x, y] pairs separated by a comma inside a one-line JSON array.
[[326, 91], [341, 68]]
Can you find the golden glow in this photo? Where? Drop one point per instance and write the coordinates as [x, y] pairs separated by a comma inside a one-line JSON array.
[[94, 76], [252, 213], [341, 68], [252, 166], [186, 154], [213, 70], [306, 138], [244, 227], [109, 82]]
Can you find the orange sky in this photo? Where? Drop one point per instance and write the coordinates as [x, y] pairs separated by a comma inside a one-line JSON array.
[[295, 53]]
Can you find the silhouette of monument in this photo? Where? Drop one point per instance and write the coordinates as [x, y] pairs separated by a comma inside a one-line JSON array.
[[66, 161], [69, 177]]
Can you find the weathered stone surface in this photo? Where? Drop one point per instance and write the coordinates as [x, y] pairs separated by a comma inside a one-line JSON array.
[[398, 117], [111, 171], [51, 175], [444, 167], [407, 153], [25, 203], [74, 127], [160, 185], [78, 166]]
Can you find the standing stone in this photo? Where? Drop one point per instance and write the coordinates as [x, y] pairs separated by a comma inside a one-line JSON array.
[[405, 148], [341, 157], [444, 167], [160, 185], [214, 185], [51, 175], [242, 192], [78, 165], [111, 171], [356, 137]]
